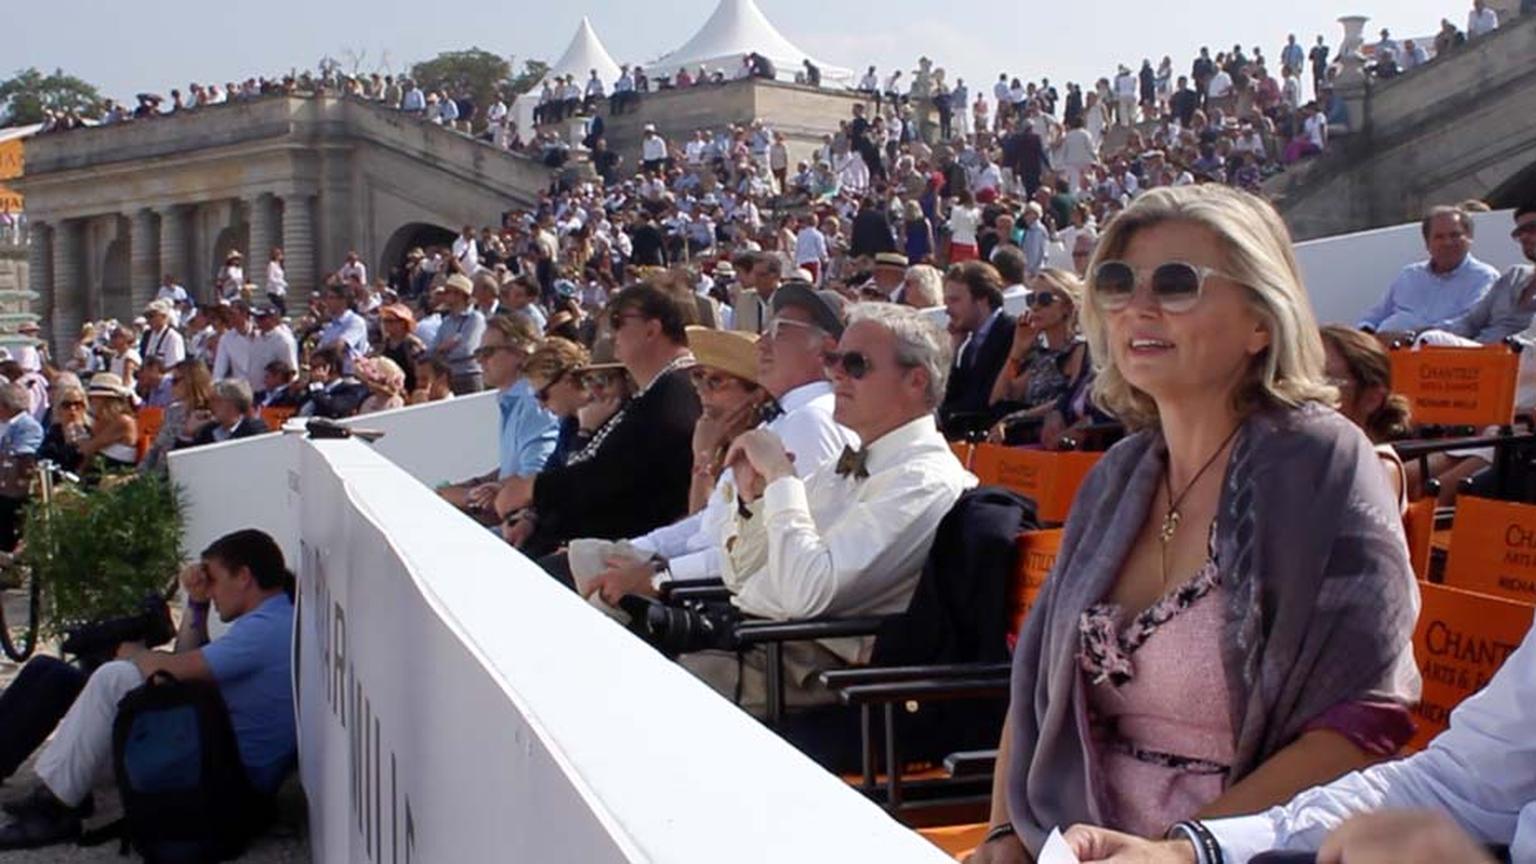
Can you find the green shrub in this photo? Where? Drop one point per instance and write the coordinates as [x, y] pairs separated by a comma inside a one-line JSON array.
[[100, 551]]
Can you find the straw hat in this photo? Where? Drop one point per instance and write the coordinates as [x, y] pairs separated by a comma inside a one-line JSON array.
[[602, 357], [459, 282], [108, 384], [730, 351]]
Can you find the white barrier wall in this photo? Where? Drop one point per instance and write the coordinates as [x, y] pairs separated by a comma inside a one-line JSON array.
[[439, 442], [458, 705]]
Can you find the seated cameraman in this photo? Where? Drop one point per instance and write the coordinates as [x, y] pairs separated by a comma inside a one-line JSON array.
[[851, 538], [244, 576]]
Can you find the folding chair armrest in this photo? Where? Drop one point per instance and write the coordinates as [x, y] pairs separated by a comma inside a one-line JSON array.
[[993, 687], [694, 589], [971, 763], [764, 632], [837, 679]]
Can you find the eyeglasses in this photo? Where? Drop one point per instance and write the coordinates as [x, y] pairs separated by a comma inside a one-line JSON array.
[[1040, 299], [599, 380], [777, 328], [72, 403], [706, 381], [617, 319], [542, 394], [1176, 285], [485, 351], [1523, 229], [854, 364]]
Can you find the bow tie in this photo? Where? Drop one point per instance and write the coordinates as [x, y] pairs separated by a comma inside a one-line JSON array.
[[769, 411], [853, 462]]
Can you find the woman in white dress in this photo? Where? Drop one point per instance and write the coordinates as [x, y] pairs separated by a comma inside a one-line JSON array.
[[277, 281]]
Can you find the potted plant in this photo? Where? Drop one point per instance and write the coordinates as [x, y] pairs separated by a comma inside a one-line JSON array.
[[104, 556]]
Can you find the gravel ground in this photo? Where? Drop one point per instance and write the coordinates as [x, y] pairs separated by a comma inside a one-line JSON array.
[[286, 843]]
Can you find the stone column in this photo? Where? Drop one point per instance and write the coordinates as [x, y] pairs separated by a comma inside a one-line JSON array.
[[173, 245], [144, 259], [299, 248], [263, 210], [68, 289], [39, 270]]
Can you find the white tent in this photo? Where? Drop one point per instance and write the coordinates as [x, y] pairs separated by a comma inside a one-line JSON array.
[[736, 28], [585, 53]]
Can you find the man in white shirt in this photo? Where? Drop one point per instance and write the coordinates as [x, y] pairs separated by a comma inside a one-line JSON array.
[[162, 340], [850, 538], [467, 250], [1481, 20], [789, 366], [811, 248], [653, 150], [1474, 785], [233, 359], [354, 270], [272, 341], [1125, 97]]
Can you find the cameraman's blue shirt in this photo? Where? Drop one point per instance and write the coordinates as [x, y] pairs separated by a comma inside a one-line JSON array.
[[252, 664]]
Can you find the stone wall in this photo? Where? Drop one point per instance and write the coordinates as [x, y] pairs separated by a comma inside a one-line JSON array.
[[1455, 129]]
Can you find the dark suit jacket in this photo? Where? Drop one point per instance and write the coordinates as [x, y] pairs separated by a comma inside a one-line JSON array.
[[339, 402], [636, 481], [965, 405], [247, 428]]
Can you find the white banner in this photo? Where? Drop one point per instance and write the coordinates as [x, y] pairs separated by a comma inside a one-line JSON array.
[[458, 705]]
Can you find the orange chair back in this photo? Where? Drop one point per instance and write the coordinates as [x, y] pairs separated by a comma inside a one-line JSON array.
[[962, 451], [1493, 549], [1462, 638], [1419, 528], [149, 420], [1049, 478], [1458, 386], [1037, 555], [276, 417]]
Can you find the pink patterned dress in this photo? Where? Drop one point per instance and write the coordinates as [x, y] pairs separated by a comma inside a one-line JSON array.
[[1158, 705]]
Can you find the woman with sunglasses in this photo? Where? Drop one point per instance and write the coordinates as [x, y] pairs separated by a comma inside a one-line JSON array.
[[554, 371], [1229, 617], [1049, 356], [69, 426]]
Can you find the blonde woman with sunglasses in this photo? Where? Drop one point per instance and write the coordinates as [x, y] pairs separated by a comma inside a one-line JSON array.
[[1229, 619]]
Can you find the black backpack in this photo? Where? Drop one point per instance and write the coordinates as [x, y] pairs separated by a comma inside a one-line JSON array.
[[186, 798]]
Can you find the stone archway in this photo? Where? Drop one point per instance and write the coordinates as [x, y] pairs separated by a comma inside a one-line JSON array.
[[407, 237], [1515, 191], [116, 282]]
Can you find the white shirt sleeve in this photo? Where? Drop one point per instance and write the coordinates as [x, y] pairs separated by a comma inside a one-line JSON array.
[[1481, 772]]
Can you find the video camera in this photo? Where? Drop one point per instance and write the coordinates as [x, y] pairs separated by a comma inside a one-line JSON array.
[[96, 642]]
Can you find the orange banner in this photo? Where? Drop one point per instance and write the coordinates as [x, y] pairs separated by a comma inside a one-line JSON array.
[[1493, 549], [1037, 555], [1049, 478], [1461, 640], [1458, 386], [12, 161]]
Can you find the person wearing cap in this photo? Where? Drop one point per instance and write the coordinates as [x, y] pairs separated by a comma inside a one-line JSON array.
[[30, 356], [161, 339], [458, 337], [788, 365], [346, 331], [231, 278], [635, 473], [271, 342]]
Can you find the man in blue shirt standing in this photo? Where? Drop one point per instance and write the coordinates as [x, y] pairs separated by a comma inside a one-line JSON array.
[[1433, 293], [242, 575]]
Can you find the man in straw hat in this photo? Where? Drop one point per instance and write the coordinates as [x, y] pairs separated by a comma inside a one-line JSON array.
[[161, 338], [458, 337], [788, 365]]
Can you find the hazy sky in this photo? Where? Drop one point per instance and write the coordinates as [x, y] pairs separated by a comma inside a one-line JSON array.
[[127, 47]]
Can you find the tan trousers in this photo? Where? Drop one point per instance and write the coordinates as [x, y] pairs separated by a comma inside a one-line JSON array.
[[727, 672]]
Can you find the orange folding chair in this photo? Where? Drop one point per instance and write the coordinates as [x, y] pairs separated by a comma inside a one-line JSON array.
[[1461, 640], [1049, 478], [276, 417], [1493, 549], [1419, 528], [962, 451], [1458, 386]]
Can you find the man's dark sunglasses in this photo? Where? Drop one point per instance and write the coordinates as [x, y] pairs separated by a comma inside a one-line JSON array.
[[855, 364]]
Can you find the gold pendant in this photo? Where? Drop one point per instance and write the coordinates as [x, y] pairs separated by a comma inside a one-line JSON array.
[[1170, 525]]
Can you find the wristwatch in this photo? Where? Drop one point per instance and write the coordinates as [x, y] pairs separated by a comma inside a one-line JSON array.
[[661, 572]]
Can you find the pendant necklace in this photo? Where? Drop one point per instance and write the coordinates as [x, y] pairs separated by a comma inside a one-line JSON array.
[[1172, 516]]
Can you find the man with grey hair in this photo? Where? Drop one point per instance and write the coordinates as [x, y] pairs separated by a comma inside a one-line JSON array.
[[230, 415], [851, 537], [923, 287], [1436, 292]]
